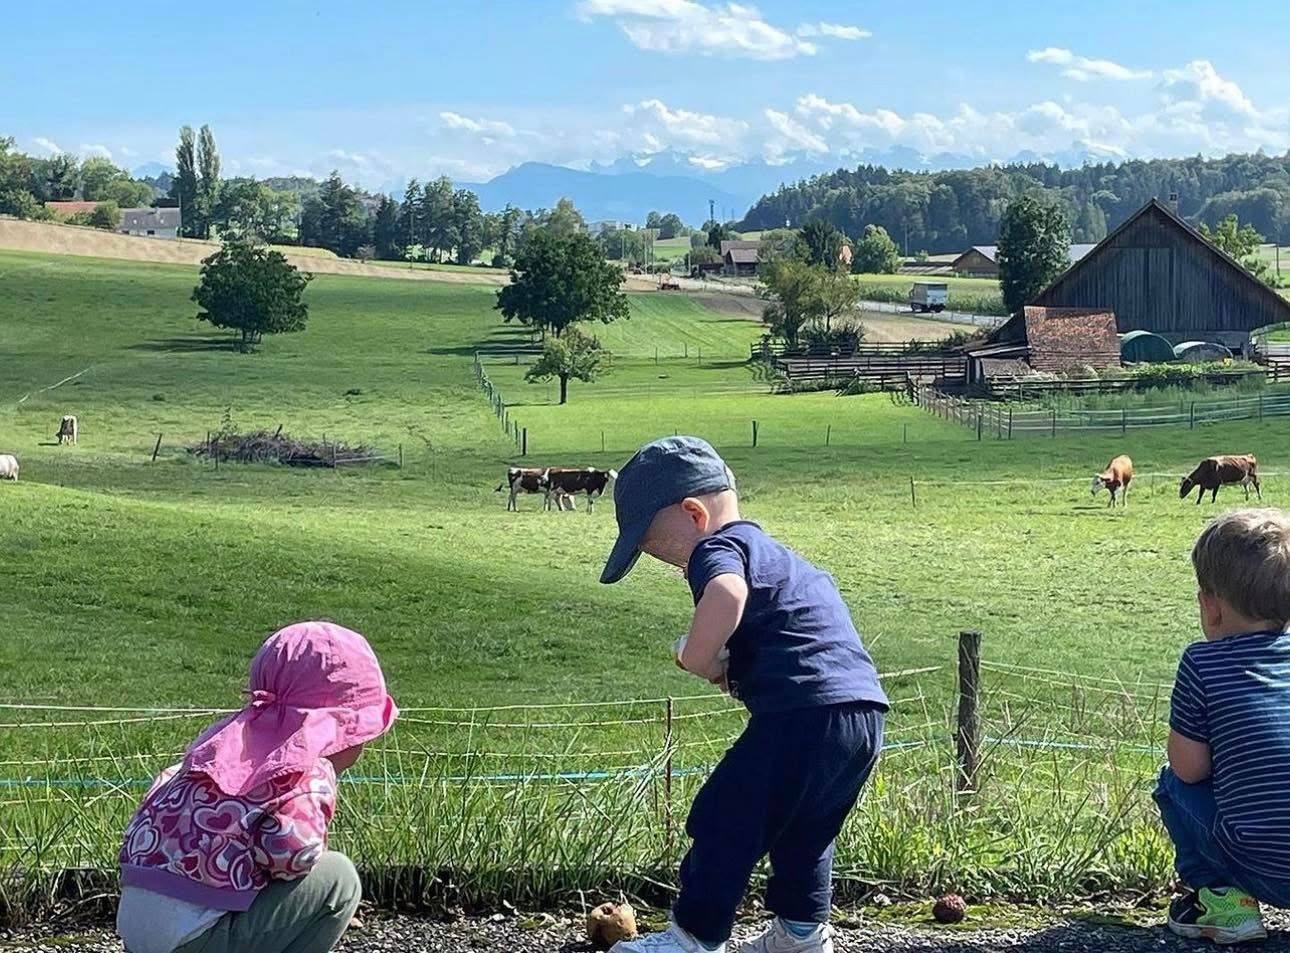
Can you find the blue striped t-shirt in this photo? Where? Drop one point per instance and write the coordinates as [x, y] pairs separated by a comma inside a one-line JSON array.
[[1234, 695]]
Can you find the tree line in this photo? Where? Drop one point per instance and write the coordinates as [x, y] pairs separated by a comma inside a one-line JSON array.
[[948, 211]]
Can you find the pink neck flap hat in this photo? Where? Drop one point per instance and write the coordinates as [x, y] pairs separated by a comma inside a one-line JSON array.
[[315, 689]]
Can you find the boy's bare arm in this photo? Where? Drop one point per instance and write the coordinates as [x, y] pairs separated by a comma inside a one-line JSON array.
[[715, 619], [1189, 759]]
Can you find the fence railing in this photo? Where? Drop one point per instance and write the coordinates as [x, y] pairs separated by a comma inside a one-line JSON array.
[[764, 350], [520, 435], [990, 419], [1021, 387]]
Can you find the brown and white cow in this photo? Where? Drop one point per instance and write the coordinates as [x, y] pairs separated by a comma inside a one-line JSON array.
[[526, 480], [566, 482], [68, 429], [1224, 470], [1116, 477]]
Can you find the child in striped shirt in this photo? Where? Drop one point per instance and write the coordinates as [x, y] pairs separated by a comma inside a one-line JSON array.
[[1225, 794]]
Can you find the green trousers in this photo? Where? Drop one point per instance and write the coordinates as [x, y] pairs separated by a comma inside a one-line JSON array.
[[290, 916]]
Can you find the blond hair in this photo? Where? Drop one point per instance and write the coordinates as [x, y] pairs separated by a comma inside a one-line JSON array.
[[1243, 557]]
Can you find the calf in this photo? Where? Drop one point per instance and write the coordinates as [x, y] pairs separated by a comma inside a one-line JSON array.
[[8, 467], [525, 480], [1225, 470], [68, 429], [567, 482], [1117, 476]]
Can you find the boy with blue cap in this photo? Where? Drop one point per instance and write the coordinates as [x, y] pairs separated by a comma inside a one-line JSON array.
[[796, 662]]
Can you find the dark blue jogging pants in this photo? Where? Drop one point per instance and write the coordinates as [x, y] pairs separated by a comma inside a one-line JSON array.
[[784, 788]]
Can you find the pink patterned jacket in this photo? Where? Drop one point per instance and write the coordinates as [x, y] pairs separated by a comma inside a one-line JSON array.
[[191, 841]]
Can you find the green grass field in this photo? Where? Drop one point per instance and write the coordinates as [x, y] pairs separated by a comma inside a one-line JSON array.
[[139, 585]]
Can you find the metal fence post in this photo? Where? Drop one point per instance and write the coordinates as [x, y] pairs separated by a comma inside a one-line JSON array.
[[967, 733]]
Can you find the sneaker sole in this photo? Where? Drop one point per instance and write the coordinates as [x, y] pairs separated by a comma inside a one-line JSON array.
[[1224, 936]]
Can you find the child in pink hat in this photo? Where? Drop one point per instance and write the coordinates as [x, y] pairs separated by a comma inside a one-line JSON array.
[[228, 851]]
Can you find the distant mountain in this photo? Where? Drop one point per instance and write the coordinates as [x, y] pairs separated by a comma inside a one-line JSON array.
[[625, 196], [151, 170]]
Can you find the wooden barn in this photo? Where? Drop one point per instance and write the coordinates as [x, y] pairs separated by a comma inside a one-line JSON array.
[[1159, 275], [982, 261]]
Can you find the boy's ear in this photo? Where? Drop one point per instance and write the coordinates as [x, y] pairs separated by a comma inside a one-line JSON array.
[[1211, 608], [697, 512]]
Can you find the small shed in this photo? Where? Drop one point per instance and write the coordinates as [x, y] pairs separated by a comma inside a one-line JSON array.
[[1201, 352], [740, 257], [1143, 347], [982, 261]]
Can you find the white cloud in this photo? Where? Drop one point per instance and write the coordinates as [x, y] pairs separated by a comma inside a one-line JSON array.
[[350, 158], [790, 137], [1200, 84], [49, 145], [484, 127], [663, 127], [1082, 68], [95, 149], [685, 26], [126, 152], [835, 30]]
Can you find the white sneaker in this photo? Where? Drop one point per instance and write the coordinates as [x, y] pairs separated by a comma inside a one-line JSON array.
[[671, 940], [777, 938]]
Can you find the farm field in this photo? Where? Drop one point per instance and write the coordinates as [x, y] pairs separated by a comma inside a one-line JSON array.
[[138, 585]]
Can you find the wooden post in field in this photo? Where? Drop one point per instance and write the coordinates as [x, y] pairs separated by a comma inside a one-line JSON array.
[[913, 498], [1054, 423], [967, 733], [1009, 423], [754, 426], [667, 772], [828, 433], [524, 442], [400, 456], [156, 449], [278, 432], [602, 441], [979, 420]]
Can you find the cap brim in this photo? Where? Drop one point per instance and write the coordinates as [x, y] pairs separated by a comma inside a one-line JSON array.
[[627, 549]]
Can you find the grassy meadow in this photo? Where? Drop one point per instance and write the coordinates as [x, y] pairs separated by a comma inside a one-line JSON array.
[[531, 761]]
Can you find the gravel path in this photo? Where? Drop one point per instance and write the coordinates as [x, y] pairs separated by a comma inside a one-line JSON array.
[[399, 934]]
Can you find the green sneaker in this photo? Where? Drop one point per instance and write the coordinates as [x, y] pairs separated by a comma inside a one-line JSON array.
[[1223, 914]]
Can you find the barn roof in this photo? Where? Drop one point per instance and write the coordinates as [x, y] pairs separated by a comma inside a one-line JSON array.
[[739, 244], [1224, 261], [72, 207], [743, 256], [1077, 251], [150, 218]]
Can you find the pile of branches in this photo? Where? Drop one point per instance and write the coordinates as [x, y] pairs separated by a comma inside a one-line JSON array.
[[267, 446]]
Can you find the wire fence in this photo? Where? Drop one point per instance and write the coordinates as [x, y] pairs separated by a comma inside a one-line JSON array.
[[995, 421]]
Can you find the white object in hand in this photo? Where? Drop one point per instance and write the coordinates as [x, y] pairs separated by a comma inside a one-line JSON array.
[[679, 648]]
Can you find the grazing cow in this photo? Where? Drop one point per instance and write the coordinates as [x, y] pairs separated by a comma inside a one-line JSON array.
[[525, 480], [1117, 476], [566, 482], [1227, 470], [68, 429], [8, 467]]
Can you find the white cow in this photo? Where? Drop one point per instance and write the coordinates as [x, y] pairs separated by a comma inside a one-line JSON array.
[[8, 467], [68, 429]]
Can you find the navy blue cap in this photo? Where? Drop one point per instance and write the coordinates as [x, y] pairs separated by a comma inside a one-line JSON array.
[[660, 474]]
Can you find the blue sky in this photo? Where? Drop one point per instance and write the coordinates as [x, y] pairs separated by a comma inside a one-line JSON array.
[[387, 90]]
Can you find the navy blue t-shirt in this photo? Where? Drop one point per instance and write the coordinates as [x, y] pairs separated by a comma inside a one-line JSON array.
[[795, 646]]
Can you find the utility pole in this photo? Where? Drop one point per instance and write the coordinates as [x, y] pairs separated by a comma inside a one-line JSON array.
[[712, 210]]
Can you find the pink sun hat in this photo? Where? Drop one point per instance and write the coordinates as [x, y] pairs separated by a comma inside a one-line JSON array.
[[316, 688]]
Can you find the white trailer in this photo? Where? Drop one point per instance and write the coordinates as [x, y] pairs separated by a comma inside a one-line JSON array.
[[929, 296]]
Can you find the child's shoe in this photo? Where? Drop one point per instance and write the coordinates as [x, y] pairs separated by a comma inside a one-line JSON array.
[[672, 940], [1222, 914], [778, 938]]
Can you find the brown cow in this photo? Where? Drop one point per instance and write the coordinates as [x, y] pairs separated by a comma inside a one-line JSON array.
[[565, 482], [1225, 470], [525, 480], [1117, 476]]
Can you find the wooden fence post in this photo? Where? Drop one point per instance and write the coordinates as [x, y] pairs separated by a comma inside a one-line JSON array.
[[828, 433], [156, 449], [524, 442], [400, 456], [1009, 423], [967, 734], [1054, 423], [754, 433], [913, 497], [979, 421], [667, 772], [602, 441]]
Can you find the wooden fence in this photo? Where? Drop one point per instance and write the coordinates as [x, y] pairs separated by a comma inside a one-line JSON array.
[[1020, 388], [999, 422]]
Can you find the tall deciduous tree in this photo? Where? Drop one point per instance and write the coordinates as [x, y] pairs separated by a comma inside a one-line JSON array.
[[16, 176], [208, 180], [1242, 243], [184, 187], [1034, 248], [439, 229], [410, 225], [507, 234], [670, 226], [575, 356], [468, 226], [253, 290], [558, 280], [790, 286], [875, 253]]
